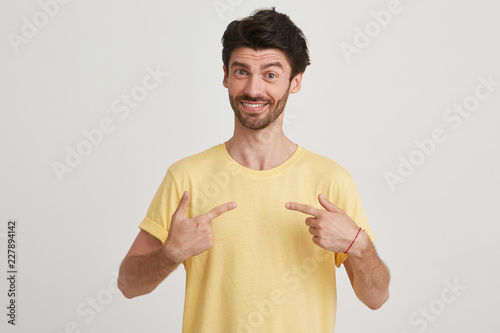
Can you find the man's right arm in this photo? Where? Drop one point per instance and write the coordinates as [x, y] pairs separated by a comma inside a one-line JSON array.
[[147, 263]]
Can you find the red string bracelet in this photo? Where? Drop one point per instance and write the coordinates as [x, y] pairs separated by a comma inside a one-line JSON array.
[[353, 241]]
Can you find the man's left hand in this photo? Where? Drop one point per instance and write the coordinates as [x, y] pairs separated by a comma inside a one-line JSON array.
[[332, 229]]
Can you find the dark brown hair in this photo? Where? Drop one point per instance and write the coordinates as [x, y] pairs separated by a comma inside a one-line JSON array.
[[266, 29]]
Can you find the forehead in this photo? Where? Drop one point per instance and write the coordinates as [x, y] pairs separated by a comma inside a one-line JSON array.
[[251, 57]]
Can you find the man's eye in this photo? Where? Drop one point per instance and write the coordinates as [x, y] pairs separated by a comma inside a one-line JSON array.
[[271, 76], [241, 72]]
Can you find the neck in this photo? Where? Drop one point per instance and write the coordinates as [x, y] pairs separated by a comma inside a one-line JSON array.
[[260, 149]]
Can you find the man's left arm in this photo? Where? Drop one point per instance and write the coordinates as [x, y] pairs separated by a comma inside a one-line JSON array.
[[369, 276], [334, 230]]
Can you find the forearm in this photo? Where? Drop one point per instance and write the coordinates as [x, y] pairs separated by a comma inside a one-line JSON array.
[[370, 275], [140, 275]]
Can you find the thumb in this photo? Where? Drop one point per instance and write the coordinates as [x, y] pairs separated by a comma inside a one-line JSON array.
[[183, 204], [328, 205]]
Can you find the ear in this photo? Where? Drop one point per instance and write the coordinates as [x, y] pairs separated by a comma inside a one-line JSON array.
[[224, 82], [295, 84]]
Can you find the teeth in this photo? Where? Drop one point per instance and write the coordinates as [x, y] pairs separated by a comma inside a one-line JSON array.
[[253, 105]]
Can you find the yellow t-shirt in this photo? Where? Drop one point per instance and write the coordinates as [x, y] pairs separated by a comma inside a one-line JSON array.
[[263, 273]]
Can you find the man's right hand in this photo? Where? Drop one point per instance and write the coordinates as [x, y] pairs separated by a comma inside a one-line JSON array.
[[188, 237]]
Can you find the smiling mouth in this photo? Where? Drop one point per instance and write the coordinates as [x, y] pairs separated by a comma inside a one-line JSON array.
[[253, 105]]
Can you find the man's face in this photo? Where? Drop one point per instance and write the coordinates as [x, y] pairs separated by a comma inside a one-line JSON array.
[[259, 83]]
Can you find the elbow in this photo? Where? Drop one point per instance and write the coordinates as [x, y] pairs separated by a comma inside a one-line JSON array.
[[127, 295], [124, 291], [377, 304], [129, 292], [123, 284], [123, 288], [382, 294]]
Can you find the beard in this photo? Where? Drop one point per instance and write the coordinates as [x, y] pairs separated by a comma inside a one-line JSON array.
[[260, 120]]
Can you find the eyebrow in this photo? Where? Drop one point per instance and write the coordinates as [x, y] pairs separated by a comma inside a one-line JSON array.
[[271, 64]]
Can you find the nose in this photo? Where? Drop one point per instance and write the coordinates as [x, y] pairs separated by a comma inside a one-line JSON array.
[[255, 86]]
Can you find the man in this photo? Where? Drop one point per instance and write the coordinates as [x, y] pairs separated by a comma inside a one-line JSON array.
[[258, 222]]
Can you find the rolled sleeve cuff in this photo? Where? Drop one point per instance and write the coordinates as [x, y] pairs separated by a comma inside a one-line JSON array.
[[154, 229]]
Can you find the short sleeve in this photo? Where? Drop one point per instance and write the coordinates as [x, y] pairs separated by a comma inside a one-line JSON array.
[[350, 202], [164, 204]]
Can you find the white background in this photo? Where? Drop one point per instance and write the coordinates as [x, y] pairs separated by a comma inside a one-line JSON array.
[[438, 227]]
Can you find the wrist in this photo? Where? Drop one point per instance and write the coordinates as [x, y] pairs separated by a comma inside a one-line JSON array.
[[361, 246], [170, 253]]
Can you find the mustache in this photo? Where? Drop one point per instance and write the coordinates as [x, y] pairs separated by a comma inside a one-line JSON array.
[[252, 99]]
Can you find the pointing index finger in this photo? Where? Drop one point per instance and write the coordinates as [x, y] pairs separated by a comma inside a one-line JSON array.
[[302, 208], [219, 210]]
